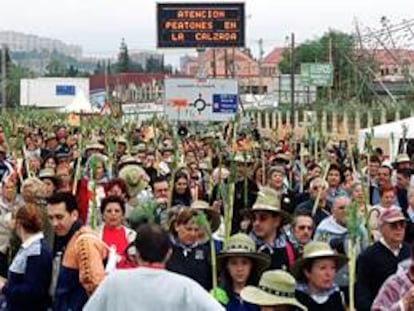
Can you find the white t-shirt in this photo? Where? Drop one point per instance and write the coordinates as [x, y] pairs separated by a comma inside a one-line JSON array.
[[147, 289]]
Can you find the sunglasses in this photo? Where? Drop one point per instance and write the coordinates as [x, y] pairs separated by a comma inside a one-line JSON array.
[[398, 224]]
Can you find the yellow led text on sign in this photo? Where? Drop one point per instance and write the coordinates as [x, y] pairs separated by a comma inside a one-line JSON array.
[[201, 25], [201, 14], [202, 21]]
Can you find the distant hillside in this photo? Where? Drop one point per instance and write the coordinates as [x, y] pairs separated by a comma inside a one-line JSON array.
[[37, 61]]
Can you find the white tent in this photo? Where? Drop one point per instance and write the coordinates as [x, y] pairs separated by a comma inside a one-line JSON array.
[[80, 104], [385, 130]]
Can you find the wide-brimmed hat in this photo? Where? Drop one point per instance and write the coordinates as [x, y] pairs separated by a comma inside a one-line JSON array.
[[283, 157], [318, 250], [212, 215], [48, 173], [243, 157], [166, 148], [50, 136], [121, 140], [135, 177], [276, 288], [401, 158], [208, 135], [304, 153], [267, 146], [63, 153], [127, 159], [269, 200], [94, 145], [241, 245], [138, 148]]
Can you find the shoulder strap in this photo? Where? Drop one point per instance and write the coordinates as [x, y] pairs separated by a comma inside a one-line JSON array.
[[343, 301], [291, 255]]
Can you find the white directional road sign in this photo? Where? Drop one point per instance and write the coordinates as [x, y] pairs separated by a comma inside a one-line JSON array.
[[201, 99]]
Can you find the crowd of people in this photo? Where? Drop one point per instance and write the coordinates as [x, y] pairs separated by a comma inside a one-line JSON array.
[[174, 219]]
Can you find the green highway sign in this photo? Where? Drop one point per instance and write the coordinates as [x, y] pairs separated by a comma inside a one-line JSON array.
[[316, 74]]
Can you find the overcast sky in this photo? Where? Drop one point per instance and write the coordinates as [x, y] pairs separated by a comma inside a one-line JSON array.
[[99, 25]]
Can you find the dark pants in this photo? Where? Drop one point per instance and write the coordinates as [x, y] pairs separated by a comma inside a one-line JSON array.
[[4, 265]]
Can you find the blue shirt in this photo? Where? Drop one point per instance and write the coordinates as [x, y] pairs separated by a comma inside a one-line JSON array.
[[29, 277], [237, 304]]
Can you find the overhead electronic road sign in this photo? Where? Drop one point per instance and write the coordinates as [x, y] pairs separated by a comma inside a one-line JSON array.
[[200, 25], [201, 100]]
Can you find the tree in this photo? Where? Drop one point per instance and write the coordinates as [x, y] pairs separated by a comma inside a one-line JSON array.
[[168, 69], [154, 64], [72, 72], [135, 67], [9, 65], [353, 72], [8, 58], [99, 69], [123, 64], [15, 74], [55, 68]]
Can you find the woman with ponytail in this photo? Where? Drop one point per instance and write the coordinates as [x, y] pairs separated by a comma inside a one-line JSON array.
[[30, 272]]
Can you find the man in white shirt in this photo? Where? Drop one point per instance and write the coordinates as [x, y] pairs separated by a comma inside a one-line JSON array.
[[150, 287], [334, 231]]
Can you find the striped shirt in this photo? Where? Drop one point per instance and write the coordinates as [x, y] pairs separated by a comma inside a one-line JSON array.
[[391, 294]]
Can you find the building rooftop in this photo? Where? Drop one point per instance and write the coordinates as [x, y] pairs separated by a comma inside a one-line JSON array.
[[275, 56]]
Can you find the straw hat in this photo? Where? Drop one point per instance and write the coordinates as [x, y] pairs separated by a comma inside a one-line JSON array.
[[208, 135], [48, 173], [268, 200], [138, 148], [166, 148], [241, 245], [212, 216], [127, 159], [318, 250], [276, 288], [205, 166], [121, 140], [267, 146], [94, 145], [401, 158], [50, 136], [135, 177], [63, 153], [282, 156], [243, 157], [305, 153]]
